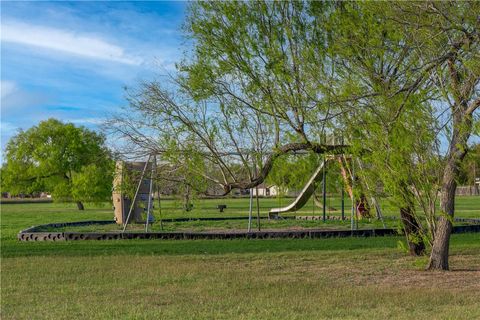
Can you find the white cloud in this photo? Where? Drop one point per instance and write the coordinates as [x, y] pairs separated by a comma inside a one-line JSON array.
[[94, 121], [14, 98], [7, 128], [65, 41], [7, 88]]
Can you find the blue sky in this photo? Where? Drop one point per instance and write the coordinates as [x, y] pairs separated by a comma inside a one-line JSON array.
[[72, 60]]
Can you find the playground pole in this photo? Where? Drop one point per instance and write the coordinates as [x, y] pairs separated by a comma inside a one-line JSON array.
[[324, 192], [159, 208], [352, 222], [250, 211], [258, 202], [258, 208], [313, 198], [158, 193], [150, 190], [343, 203]]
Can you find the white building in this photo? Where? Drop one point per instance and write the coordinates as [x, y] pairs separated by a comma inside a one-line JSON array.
[[265, 190]]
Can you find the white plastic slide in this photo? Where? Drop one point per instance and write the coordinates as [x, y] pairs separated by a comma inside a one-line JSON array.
[[303, 197]]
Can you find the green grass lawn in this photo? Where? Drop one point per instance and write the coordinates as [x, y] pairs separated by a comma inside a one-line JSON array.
[[345, 278], [468, 206], [237, 207]]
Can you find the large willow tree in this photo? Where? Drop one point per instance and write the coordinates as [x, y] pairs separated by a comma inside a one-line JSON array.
[[446, 36], [253, 86], [265, 79]]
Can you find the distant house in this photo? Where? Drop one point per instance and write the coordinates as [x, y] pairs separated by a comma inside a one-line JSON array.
[[266, 190], [241, 192]]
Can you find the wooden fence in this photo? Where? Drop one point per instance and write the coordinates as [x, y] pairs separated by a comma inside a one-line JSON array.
[[468, 191]]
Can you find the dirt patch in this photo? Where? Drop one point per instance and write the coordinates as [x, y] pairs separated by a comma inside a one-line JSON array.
[[396, 271]]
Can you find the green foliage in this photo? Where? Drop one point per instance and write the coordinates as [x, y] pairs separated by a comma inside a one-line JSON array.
[[92, 183], [269, 57], [70, 162], [291, 172], [470, 166], [393, 127]]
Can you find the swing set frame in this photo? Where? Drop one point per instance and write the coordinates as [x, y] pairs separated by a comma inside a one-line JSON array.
[[152, 158]]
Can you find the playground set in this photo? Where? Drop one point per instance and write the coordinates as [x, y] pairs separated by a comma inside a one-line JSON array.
[[136, 206]]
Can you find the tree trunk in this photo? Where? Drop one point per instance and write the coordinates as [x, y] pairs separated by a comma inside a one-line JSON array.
[[416, 244], [462, 128], [80, 205], [187, 205], [439, 255]]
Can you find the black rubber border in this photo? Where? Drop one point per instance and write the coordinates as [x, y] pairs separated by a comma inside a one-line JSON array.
[[35, 233]]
